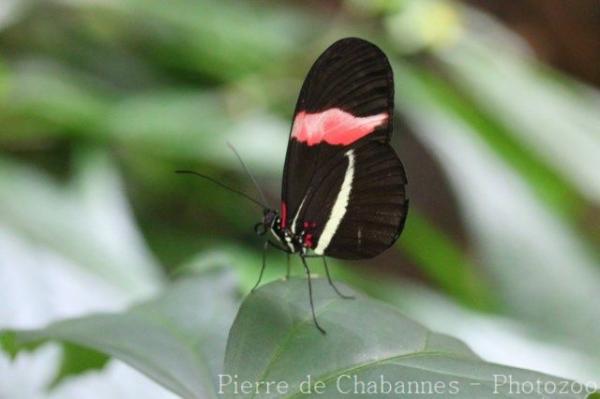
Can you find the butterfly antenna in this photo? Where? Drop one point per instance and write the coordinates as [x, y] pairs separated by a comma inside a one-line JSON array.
[[260, 192], [218, 183]]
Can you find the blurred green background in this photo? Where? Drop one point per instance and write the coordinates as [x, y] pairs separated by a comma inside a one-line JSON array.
[[498, 126]]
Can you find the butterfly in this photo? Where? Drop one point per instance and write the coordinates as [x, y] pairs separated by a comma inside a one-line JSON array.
[[343, 190]]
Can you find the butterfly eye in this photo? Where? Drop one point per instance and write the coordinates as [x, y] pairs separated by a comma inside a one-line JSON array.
[[260, 229]]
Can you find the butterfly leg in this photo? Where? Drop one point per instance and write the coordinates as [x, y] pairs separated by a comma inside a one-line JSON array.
[[310, 296], [331, 282], [264, 264], [287, 252]]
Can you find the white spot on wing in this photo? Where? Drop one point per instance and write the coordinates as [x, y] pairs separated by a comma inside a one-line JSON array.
[[339, 207]]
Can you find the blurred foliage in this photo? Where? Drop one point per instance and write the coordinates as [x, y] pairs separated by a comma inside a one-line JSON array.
[[100, 101]]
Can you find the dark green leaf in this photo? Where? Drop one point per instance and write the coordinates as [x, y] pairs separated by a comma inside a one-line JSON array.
[[10, 344], [77, 359], [273, 339]]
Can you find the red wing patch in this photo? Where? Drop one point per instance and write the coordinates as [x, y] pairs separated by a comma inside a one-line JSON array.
[[283, 222], [334, 127]]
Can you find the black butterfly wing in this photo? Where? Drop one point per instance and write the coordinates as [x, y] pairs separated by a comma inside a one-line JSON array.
[[343, 184]]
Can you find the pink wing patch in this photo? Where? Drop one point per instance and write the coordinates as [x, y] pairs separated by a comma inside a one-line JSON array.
[[334, 126]]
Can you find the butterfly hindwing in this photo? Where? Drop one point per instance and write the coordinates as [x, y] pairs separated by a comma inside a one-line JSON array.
[[377, 205], [343, 184]]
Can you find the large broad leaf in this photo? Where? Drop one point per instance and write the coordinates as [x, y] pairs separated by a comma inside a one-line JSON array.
[[177, 339], [369, 347]]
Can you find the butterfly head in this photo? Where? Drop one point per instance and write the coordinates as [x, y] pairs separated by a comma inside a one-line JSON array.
[[270, 217]]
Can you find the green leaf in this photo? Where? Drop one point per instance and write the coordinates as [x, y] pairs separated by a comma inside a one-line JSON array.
[[177, 339], [442, 260], [273, 339], [10, 344], [77, 359]]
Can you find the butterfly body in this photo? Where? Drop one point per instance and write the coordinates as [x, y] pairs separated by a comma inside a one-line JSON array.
[[285, 238]]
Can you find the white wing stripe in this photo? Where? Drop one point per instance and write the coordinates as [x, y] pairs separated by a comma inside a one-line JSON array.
[[339, 207], [297, 214]]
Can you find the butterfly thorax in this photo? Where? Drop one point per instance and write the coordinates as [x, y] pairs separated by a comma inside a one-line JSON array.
[[290, 241], [287, 240]]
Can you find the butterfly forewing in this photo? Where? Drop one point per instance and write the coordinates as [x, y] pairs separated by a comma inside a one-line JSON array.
[[343, 185]]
